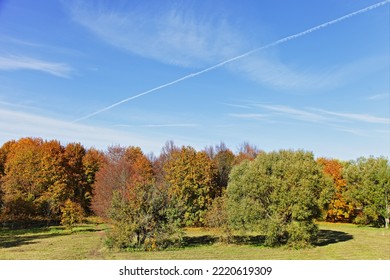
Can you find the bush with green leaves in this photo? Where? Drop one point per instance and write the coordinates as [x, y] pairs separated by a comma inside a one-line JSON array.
[[279, 194], [144, 219], [217, 217], [368, 181]]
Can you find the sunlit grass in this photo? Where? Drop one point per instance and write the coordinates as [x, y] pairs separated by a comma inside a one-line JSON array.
[[338, 242]]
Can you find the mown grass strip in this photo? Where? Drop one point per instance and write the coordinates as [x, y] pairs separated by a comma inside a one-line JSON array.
[[337, 242]]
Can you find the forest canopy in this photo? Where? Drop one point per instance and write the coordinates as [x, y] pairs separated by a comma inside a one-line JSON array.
[[148, 199]]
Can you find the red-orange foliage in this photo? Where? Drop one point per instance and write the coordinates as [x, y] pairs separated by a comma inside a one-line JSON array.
[[123, 170], [246, 152]]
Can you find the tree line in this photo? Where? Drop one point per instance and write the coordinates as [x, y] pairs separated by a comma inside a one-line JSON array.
[[149, 199]]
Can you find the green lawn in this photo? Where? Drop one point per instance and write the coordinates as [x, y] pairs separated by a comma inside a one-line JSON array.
[[337, 242]]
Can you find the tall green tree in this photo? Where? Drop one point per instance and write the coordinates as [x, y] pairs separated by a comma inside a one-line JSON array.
[[368, 181], [280, 194]]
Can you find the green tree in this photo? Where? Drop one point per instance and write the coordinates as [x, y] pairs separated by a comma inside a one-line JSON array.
[[368, 182], [144, 219], [280, 194], [218, 217]]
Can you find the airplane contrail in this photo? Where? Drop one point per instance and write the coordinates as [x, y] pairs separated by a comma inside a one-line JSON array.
[[275, 43]]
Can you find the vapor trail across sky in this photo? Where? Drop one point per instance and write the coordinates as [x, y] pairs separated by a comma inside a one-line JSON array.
[[275, 43]]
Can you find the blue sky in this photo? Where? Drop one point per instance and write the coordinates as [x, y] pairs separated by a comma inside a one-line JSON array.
[[310, 75]]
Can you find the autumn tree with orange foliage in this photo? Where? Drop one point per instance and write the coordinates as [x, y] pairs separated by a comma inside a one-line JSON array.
[[4, 151], [37, 177], [190, 178], [30, 170], [339, 209]]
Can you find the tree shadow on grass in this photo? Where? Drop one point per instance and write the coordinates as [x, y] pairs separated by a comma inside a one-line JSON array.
[[9, 241], [326, 237], [194, 241], [253, 240], [17, 238]]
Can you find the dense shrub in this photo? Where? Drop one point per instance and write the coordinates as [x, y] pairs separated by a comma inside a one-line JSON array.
[[146, 220], [71, 214], [278, 194]]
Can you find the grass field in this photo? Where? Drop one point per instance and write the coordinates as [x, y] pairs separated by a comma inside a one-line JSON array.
[[337, 242]]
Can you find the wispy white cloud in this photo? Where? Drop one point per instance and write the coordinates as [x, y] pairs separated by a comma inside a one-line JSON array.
[[249, 116], [277, 74], [159, 125], [320, 115], [274, 73], [13, 40], [356, 117], [354, 131], [293, 113], [237, 105], [381, 96], [11, 63], [11, 43], [384, 132], [354, 123], [178, 37], [15, 124], [171, 34]]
